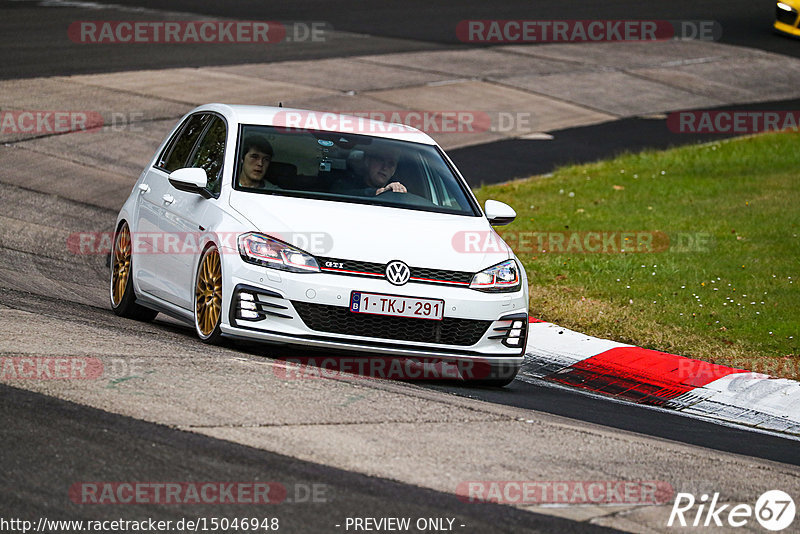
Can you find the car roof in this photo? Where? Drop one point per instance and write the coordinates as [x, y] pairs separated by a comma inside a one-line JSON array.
[[319, 120]]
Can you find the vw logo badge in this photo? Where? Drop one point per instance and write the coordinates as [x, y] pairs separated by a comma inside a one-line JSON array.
[[397, 273]]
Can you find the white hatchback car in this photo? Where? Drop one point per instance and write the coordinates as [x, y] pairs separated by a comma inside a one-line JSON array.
[[325, 231]]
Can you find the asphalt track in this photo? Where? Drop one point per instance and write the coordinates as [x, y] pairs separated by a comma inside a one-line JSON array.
[[46, 440], [35, 39]]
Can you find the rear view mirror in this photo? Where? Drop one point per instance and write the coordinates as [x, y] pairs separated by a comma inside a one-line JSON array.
[[499, 214], [191, 179]]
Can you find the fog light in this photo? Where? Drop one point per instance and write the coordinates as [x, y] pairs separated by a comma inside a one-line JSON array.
[[247, 302], [247, 307], [251, 304], [512, 335]]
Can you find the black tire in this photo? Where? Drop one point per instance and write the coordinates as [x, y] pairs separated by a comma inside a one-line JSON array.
[[122, 295]]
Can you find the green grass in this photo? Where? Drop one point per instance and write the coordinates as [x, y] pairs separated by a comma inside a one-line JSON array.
[[726, 288]]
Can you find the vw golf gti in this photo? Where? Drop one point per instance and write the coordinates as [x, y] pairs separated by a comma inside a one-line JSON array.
[[323, 231]]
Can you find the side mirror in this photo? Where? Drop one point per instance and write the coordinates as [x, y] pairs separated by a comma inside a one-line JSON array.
[[499, 214], [190, 179]]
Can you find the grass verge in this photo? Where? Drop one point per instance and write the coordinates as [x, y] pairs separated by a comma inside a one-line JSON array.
[[693, 250]]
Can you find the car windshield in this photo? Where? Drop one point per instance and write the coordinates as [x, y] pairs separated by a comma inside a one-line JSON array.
[[348, 167]]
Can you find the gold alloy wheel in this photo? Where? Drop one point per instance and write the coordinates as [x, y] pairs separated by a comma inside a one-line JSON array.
[[121, 266], [208, 293]]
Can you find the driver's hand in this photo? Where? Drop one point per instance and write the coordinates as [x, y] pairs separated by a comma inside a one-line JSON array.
[[395, 187]]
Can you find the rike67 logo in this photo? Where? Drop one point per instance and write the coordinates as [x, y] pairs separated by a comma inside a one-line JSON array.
[[774, 510]]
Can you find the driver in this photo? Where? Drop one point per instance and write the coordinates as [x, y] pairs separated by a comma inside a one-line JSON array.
[[376, 175], [256, 157]]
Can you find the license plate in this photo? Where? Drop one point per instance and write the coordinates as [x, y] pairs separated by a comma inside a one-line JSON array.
[[396, 306]]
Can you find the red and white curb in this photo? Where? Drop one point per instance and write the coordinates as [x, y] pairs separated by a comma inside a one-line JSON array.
[[655, 378]]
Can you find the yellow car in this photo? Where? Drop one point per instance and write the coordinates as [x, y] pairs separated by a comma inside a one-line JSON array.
[[786, 17]]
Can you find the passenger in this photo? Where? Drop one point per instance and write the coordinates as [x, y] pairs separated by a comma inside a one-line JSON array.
[[375, 177], [257, 155]]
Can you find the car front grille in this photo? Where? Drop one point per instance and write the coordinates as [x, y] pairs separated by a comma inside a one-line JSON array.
[[420, 275], [351, 267], [439, 275], [340, 320], [786, 17]]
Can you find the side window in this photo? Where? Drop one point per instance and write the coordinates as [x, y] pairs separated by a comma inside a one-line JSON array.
[[176, 154], [210, 153]]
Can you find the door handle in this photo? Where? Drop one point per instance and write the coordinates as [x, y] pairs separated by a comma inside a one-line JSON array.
[[168, 199], [144, 188]]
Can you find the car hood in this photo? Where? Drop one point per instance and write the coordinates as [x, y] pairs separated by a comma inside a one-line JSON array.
[[378, 234]]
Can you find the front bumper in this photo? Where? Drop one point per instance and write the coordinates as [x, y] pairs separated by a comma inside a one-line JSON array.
[[312, 310]]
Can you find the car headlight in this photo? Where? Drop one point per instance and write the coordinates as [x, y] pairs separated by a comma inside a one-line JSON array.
[[502, 278], [260, 249]]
